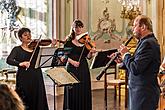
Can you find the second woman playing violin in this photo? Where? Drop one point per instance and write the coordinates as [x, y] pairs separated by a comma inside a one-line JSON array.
[[29, 83], [79, 95]]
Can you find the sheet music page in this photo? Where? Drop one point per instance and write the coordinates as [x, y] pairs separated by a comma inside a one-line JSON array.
[[61, 76], [45, 56]]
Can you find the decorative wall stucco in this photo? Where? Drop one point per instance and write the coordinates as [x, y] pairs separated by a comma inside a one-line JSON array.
[[105, 25]]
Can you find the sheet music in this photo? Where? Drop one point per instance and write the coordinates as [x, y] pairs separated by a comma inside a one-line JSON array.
[[45, 56], [52, 57], [61, 76]]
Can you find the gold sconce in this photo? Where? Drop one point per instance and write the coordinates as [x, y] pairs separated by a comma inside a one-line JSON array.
[[130, 9]]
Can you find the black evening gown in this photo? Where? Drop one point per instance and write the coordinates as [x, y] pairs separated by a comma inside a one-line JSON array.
[[29, 83], [79, 95]]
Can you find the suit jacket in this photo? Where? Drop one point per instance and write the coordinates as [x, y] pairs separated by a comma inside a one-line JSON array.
[[142, 69], [143, 66]]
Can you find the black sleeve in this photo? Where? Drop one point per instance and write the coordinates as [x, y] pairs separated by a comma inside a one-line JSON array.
[[11, 59], [68, 44]]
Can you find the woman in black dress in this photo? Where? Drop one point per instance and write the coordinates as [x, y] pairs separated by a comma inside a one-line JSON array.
[[29, 81], [79, 95]]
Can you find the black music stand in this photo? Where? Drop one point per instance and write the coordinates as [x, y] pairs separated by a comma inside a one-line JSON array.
[[101, 60], [45, 57], [61, 78], [51, 57]]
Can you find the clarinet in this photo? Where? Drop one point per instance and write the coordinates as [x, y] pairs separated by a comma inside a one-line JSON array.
[[111, 60]]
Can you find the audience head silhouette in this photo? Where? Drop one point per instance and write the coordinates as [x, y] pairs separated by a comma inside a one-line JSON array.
[[9, 100]]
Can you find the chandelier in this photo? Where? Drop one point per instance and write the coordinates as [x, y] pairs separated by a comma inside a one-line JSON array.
[[130, 9]]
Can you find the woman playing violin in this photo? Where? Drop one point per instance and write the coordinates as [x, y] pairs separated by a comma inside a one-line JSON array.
[[29, 80], [80, 93]]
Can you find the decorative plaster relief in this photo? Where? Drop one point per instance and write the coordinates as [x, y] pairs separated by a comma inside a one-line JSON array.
[[106, 27]]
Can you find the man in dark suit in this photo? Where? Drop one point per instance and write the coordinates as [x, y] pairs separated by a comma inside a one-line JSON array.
[[143, 66]]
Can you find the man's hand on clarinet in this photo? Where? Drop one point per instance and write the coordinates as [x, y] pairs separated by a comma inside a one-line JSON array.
[[123, 50], [118, 58]]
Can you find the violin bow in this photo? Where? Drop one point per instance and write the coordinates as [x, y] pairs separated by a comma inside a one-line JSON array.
[[81, 53], [35, 48]]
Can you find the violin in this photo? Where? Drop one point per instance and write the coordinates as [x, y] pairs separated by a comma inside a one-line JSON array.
[[60, 41], [42, 42], [86, 40]]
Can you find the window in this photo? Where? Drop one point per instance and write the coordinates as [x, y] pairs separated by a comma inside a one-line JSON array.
[[21, 13]]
